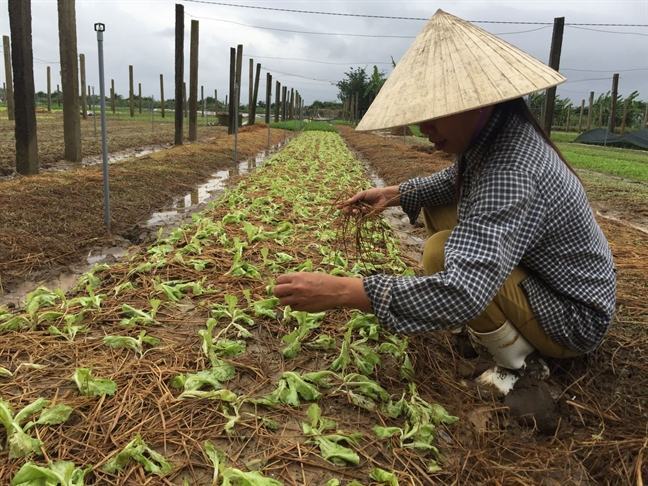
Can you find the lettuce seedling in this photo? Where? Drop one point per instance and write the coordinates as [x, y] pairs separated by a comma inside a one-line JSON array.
[[88, 385], [136, 317], [71, 327], [291, 388], [63, 473], [266, 307], [232, 476], [330, 445], [20, 443], [384, 477], [135, 344], [137, 450], [42, 297], [306, 322]]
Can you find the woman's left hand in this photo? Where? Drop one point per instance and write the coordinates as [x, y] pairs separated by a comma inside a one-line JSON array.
[[314, 292]]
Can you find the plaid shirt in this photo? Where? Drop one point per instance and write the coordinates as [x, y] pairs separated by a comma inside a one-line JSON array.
[[519, 205]]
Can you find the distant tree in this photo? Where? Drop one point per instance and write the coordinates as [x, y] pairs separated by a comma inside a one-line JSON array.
[[357, 81]]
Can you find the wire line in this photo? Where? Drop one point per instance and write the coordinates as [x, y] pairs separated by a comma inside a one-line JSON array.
[[393, 17]]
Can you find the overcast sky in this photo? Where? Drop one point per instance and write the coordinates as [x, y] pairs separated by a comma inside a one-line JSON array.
[[141, 33]]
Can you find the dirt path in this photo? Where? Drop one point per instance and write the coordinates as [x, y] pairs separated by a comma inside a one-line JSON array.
[[595, 430], [54, 218], [123, 133]]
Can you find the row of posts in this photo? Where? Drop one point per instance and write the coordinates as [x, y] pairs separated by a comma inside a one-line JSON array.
[[20, 92]]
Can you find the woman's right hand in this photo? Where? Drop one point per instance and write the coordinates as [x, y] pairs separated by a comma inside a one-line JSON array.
[[376, 199]]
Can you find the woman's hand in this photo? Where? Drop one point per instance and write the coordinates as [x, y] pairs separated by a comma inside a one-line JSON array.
[[314, 292], [376, 199]]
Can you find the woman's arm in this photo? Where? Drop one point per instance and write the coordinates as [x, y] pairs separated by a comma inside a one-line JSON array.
[[435, 190]]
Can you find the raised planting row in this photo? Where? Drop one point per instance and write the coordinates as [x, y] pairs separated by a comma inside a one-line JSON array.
[[178, 366]]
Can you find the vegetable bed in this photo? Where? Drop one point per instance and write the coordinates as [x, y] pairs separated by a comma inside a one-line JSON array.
[[178, 366]]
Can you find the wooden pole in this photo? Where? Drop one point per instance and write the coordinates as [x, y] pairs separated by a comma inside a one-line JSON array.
[[23, 75], [255, 94], [284, 90], [193, 82], [268, 97], [49, 88], [162, 95], [69, 79], [645, 118], [82, 88], [215, 102], [600, 117], [58, 96], [291, 104], [580, 117], [615, 90], [277, 100], [131, 92], [623, 118], [179, 72], [568, 119], [139, 98], [250, 86], [184, 98], [230, 99], [239, 69], [112, 95], [590, 113], [554, 63], [9, 95], [202, 100]]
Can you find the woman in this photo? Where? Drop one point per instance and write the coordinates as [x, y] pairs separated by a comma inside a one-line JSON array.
[[514, 252]]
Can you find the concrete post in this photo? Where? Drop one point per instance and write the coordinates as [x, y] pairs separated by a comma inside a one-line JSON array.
[[9, 96], [179, 72], [23, 74], [49, 89], [193, 82], [69, 79], [82, 88], [131, 94], [590, 113], [162, 95]]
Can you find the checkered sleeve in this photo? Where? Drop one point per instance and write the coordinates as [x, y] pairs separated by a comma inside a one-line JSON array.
[[435, 190], [505, 215]]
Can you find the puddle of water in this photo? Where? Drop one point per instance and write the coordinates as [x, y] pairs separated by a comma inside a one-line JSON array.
[[65, 280], [181, 206], [207, 191]]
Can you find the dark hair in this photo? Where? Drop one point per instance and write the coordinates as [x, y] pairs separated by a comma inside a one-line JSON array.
[[515, 107], [519, 107]]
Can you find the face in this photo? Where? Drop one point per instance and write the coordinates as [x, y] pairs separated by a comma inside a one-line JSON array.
[[453, 133]]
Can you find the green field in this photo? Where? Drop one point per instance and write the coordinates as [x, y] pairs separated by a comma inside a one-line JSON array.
[[629, 164], [307, 126]]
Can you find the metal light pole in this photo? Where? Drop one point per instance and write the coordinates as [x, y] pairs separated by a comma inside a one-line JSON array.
[[99, 29]]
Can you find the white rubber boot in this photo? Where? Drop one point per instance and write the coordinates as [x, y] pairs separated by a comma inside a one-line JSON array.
[[509, 350]]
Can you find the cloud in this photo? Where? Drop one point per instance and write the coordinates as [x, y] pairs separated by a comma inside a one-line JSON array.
[[142, 34]]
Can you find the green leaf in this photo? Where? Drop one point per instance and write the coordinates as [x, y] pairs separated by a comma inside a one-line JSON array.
[[5, 373], [134, 344], [384, 477], [215, 457], [323, 342], [335, 452], [61, 473], [21, 444], [228, 347], [236, 477], [34, 407], [386, 432], [54, 415], [88, 385], [290, 389], [266, 307], [137, 451]]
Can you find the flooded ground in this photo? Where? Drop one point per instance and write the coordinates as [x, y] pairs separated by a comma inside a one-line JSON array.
[[177, 213]]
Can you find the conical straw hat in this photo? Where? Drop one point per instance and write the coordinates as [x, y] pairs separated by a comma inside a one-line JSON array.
[[454, 66]]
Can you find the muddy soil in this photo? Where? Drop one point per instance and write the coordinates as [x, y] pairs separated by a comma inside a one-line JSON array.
[[581, 425], [123, 133], [55, 220]]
